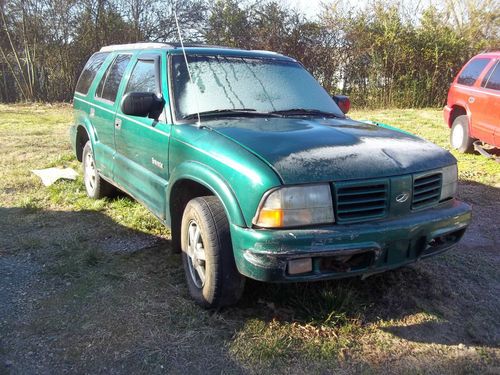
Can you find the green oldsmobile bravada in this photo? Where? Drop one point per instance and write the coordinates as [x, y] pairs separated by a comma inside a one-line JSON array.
[[257, 170]]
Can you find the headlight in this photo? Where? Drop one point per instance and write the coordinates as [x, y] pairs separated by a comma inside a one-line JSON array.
[[450, 177], [296, 206]]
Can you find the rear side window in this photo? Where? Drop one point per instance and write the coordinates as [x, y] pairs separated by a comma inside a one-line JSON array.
[[472, 71], [89, 72], [110, 82], [492, 80], [143, 77]]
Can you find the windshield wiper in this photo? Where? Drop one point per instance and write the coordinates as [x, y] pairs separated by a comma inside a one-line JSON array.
[[306, 112], [231, 112]]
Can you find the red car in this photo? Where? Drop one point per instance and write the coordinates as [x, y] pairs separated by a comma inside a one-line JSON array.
[[473, 107]]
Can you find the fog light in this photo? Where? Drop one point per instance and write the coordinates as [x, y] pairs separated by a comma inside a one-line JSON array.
[[302, 265]]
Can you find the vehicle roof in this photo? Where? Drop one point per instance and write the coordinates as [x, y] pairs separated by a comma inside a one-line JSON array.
[[193, 48], [492, 54]]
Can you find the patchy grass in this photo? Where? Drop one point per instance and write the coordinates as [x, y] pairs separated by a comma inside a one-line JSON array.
[[429, 124], [91, 286]]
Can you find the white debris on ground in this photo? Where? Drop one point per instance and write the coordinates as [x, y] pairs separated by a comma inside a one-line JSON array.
[[51, 175]]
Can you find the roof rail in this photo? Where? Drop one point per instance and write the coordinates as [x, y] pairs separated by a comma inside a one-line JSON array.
[[199, 45], [172, 45], [120, 47], [266, 51]]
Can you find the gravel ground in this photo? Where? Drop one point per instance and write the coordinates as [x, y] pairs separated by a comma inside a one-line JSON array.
[[57, 317]]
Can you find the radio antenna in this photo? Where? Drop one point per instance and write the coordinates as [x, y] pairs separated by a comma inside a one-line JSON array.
[[187, 67]]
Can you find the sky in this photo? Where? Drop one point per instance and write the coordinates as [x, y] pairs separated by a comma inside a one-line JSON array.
[[312, 7], [309, 7]]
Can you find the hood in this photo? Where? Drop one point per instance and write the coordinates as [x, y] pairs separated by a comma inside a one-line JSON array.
[[315, 150]]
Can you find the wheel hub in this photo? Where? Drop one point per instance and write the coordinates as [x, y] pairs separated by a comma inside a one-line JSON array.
[[196, 254], [90, 172], [457, 136]]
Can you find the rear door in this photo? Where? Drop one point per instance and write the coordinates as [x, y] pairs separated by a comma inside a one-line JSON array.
[[490, 119], [141, 164], [466, 92], [103, 113], [468, 95]]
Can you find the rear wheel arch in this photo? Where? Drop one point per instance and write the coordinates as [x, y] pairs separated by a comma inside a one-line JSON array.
[[460, 138], [457, 110], [95, 186], [84, 132], [82, 136]]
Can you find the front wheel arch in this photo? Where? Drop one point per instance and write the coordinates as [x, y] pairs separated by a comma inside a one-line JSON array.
[[211, 274], [206, 179], [198, 182]]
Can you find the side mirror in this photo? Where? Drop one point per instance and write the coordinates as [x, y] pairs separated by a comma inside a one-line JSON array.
[[142, 104], [343, 102]]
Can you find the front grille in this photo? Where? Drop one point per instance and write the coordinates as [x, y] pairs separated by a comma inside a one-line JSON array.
[[359, 202], [426, 191]]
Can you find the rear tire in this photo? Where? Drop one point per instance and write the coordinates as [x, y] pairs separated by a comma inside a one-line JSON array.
[[207, 254], [95, 186], [459, 135]]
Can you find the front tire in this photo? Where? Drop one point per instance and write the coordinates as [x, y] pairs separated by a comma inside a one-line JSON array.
[[207, 254], [95, 186], [459, 135]]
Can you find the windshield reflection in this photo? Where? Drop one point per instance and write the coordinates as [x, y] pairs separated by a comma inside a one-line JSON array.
[[222, 83]]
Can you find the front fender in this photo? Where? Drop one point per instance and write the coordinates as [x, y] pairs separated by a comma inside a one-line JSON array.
[[212, 180]]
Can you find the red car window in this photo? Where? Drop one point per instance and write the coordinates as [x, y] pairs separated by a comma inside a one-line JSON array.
[[492, 79], [472, 71]]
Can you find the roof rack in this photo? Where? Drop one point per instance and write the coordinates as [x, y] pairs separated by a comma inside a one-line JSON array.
[[199, 45], [172, 45], [146, 45], [119, 47]]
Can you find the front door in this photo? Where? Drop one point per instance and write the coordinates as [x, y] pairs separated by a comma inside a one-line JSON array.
[[141, 162]]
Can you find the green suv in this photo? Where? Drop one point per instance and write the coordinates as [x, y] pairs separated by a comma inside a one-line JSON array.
[[256, 169]]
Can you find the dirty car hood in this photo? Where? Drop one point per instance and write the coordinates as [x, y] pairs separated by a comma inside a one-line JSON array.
[[314, 150]]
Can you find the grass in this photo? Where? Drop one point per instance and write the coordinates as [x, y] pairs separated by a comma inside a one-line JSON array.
[[428, 124], [108, 293]]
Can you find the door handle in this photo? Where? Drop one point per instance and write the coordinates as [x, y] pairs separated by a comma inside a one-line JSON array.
[[118, 123], [471, 99]]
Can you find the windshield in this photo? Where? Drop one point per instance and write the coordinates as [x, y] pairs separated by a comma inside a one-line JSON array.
[[237, 83]]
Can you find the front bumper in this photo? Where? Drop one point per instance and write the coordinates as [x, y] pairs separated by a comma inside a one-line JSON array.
[[339, 251]]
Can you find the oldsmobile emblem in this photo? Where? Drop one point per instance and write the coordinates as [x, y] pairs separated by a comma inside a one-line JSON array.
[[403, 197]]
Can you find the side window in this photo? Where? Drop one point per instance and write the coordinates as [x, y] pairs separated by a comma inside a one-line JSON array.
[[143, 78], [108, 87], [472, 71], [493, 79], [89, 72]]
